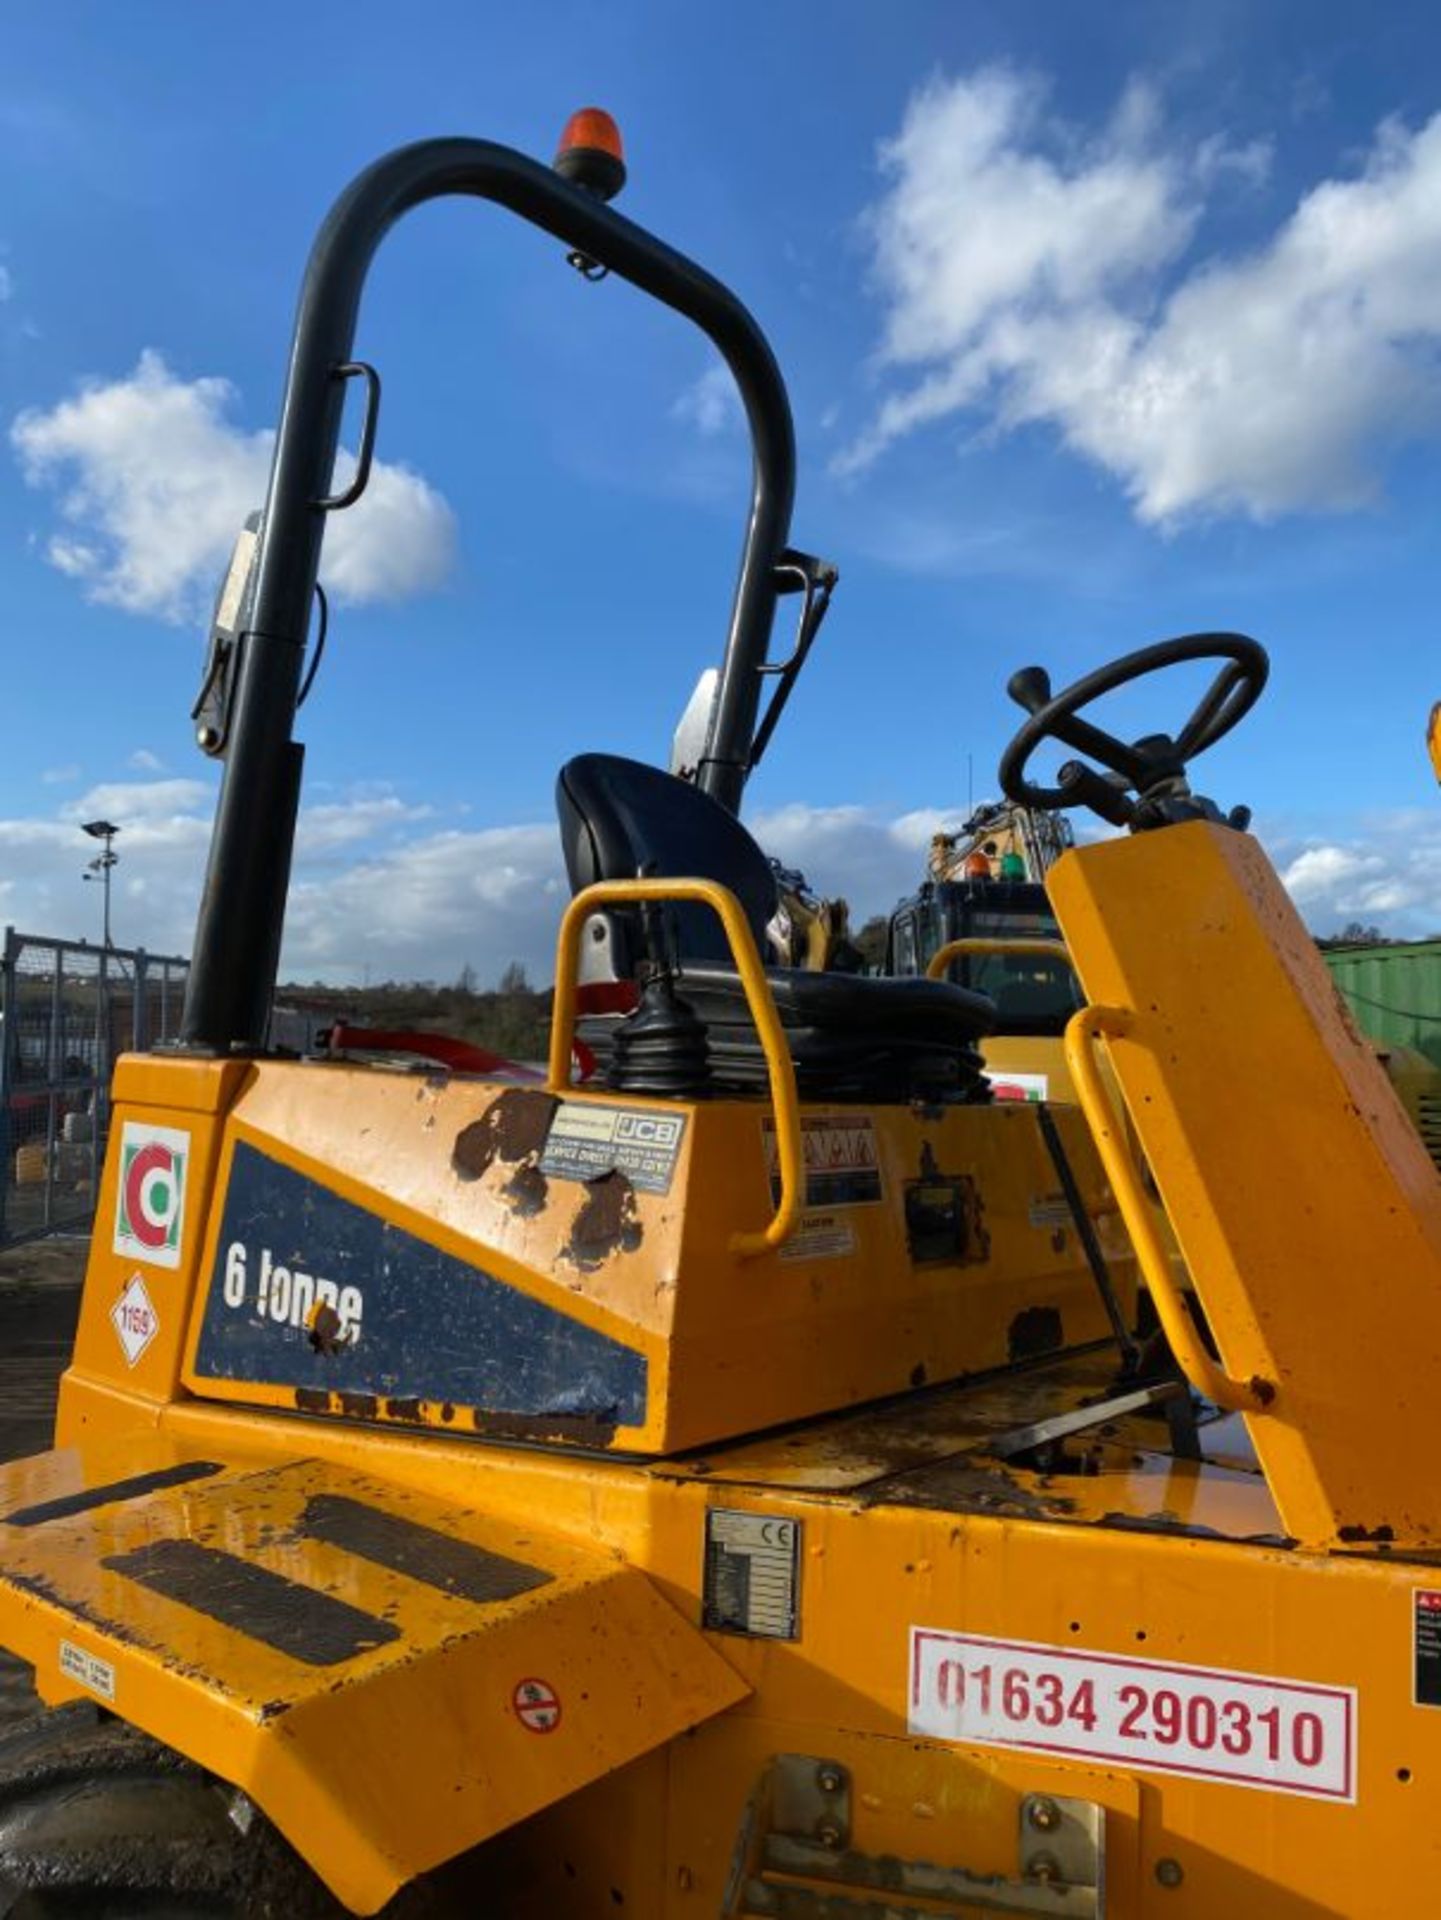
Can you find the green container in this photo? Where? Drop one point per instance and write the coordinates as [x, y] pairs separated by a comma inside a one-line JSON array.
[[1394, 993]]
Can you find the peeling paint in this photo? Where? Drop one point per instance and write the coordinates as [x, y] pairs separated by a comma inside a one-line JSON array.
[[1034, 1330], [513, 1128], [526, 1191], [606, 1223], [582, 1429]]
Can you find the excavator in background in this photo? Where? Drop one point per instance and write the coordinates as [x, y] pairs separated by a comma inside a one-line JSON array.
[[999, 841], [981, 918], [724, 1489], [983, 902]]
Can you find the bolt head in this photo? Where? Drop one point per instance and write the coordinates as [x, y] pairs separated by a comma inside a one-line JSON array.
[[1170, 1873], [829, 1836], [829, 1779], [1044, 1815]]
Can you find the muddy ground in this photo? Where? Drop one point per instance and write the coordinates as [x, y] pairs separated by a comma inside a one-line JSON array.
[[39, 1299]]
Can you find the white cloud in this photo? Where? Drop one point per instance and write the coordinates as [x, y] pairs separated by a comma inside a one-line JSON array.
[[154, 481], [431, 905], [128, 800], [365, 818], [710, 404], [144, 761], [7, 284], [1032, 276], [1391, 878], [856, 852], [1217, 159], [382, 886], [374, 889], [61, 776]]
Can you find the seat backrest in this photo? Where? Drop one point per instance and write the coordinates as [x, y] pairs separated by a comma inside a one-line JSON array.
[[621, 818]]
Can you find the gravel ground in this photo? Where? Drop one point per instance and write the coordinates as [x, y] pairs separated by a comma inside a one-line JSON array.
[[39, 1299]]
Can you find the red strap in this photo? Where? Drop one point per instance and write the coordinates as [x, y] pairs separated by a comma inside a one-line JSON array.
[[459, 1055], [607, 996]]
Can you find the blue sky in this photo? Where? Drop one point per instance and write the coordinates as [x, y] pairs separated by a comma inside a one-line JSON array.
[[1101, 323]]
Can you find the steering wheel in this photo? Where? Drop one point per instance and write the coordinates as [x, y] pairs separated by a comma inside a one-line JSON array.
[[1154, 767]]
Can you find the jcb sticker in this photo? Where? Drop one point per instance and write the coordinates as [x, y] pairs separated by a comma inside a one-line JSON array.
[[587, 1140], [1287, 1736], [150, 1201]]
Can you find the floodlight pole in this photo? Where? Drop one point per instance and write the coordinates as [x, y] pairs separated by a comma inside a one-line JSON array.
[[104, 864]]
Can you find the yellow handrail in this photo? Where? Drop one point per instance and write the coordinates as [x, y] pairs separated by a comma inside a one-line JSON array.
[[959, 949], [1083, 1029], [784, 1099]]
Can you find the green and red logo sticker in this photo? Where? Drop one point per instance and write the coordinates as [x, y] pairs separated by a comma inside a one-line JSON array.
[[150, 1205]]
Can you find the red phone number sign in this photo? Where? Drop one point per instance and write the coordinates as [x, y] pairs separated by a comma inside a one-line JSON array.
[[1286, 1735]]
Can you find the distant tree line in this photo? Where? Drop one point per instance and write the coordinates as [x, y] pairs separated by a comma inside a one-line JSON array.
[[513, 1018]]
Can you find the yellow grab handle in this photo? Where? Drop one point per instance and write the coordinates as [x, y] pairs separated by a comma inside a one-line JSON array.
[[961, 949], [1083, 1029], [785, 1101]]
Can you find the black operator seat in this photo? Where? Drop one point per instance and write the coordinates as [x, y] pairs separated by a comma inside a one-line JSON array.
[[851, 1037]]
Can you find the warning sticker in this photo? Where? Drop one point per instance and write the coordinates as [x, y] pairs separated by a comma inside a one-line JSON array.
[[843, 1168], [134, 1319], [537, 1706], [587, 1141], [751, 1562], [820, 1236], [1426, 1644], [1049, 1211], [87, 1670], [1287, 1736]]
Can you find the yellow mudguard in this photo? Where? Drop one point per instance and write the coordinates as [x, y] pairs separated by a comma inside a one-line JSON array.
[[390, 1679]]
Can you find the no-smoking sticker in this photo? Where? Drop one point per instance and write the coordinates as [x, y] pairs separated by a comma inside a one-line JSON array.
[[537, 1706]]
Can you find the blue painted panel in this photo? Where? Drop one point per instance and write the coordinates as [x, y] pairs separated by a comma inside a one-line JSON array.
[[311, 1291]]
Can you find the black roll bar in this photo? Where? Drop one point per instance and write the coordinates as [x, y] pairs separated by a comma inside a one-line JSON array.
[[238, 933]]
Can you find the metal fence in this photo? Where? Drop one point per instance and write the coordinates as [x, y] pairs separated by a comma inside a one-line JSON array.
[[66, 1011]]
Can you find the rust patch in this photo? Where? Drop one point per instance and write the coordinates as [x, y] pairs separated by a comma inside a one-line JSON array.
[[447, 1413], [607, 1222], [360, 1406], [966, 1487], [404, 1410], [1264, 1390], [324, 1332], [1374, 1536], [513, 1128], [526, 1190], [44, 1589], [313, 1399], [578, 1429], [1034, 1330]]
